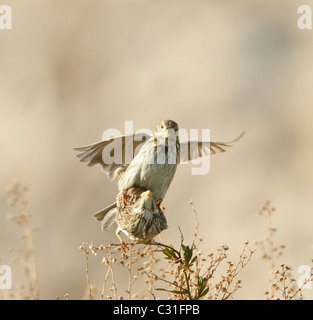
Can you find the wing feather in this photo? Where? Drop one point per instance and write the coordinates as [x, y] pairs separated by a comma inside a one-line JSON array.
[[93, 153], [191, 150]]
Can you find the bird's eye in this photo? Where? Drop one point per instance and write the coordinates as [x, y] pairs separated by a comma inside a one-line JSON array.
[[161, 127]]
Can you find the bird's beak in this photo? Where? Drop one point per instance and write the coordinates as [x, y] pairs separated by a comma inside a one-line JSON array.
[[162, 133], [169, 133], [148, 194], [165, 133]]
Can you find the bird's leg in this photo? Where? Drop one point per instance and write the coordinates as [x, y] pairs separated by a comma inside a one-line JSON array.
[[158, 203], [123, 245], [123, 198]]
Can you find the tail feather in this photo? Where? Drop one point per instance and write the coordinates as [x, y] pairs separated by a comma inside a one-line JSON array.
[[101, 214], [106, 216], [108, 220]]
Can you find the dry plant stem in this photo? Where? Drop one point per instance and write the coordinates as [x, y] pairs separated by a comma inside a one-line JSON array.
[[87, 275], [271, 248], [215, 265], [281, 283], [267, 212], [188, 275], [165, 281], [299, 291], [242, 262], [85, 248], [195, 236], [129, 267], [104, 282], [284, 282], [112, 276], [28, 238], [23, 220], [192, 274]]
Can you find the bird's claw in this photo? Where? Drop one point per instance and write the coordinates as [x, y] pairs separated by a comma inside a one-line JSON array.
[[158, 203], [123, 247], [123, 198]]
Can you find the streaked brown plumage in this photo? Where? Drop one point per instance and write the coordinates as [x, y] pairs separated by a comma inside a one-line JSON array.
[[144, 170], [141, 219]]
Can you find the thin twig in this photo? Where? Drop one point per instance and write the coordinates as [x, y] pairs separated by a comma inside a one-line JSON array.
[[87, 275], [195, 235]]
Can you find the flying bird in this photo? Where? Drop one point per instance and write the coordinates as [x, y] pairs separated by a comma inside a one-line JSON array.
[[154, 161]]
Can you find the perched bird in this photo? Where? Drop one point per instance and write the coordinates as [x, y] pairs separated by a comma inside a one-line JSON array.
[[153, 165], [141, 219]]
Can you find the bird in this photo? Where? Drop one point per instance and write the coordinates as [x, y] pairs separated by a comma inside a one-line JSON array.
[[153, 165], [141, 219]]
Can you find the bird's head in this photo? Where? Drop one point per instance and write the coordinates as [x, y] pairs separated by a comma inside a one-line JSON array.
[[147, 201], [166, 129]]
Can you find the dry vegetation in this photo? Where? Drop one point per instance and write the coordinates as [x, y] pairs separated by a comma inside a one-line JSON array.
[[281, 283], [24, 256], [165, 272]]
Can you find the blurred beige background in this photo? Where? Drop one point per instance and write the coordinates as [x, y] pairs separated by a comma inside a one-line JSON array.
[[71, 69]]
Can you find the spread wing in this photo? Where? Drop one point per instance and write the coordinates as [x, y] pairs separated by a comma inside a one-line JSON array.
[[113, 155], [191, 150]]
